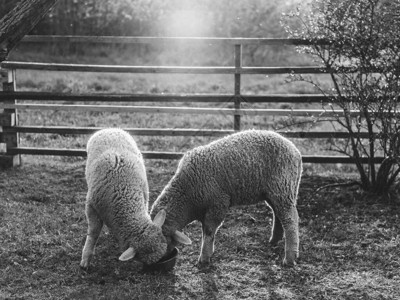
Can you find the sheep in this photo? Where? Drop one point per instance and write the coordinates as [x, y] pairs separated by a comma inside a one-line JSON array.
[[242, 168], [118, 196]]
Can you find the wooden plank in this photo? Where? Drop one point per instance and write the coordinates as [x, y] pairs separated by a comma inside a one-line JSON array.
[[7, 119], [159, 69], [162, 69], [183, 110], [10, 139], [175, 132], [9, 161], [49, 96], [324, 159], [133, 131], [322, 134], [82, 153], [284, 70], [115, 68], [162, 40], [174, 155], [272, 98], [46, 151]]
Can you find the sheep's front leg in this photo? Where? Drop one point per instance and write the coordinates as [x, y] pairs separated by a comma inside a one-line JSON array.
[[95, 224], [290, 223], [207, 244], [212, 221]]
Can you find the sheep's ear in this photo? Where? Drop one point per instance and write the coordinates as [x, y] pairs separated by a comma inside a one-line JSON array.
[[180, 237], [159, 219], [128, 254]]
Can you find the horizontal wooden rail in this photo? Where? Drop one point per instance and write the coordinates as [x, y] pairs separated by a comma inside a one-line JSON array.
[[183, 110], [272, 98], [161, 40], [14, 65], [172, 132], [337, 159], [206, 98], [133, 131], [172, 155], [82, 153]]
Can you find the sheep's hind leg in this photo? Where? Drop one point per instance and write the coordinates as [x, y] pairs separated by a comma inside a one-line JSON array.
[[212, 221], [95, 225], [277, 229]]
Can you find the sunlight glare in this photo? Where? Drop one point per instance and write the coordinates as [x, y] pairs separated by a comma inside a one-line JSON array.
[[187, 23]]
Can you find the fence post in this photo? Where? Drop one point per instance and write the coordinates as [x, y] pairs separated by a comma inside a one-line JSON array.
[[237, 97], [9, 117]]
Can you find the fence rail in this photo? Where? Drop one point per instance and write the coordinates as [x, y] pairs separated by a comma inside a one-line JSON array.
[[161, 40], [10, 98], [224, 98], [161, 69]]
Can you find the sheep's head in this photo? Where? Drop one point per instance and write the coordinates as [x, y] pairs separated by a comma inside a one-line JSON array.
[[174, 238], [172, 235], [153, 245]]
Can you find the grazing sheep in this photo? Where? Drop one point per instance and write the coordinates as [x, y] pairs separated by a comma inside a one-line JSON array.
[[118, 196], [242, 168]]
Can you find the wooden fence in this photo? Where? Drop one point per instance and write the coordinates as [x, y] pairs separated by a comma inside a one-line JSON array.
[[9, 97]]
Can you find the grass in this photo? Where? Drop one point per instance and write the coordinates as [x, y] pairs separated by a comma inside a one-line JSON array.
[[350, 242], [350, 245]]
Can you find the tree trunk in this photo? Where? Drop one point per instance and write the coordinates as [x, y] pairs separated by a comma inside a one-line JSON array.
[[20, 21]]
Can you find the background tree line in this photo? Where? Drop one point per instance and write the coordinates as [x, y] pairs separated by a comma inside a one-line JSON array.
[[256, 18]]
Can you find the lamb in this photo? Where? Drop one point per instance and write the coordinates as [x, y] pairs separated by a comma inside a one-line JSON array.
[[118, 196], [243, 168]]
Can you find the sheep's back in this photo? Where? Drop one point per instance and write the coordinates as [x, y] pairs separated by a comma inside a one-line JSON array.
[[111, 138], [117, 188], [246, 166]]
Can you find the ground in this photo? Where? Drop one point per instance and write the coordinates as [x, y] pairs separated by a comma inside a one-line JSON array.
[[350, 244]]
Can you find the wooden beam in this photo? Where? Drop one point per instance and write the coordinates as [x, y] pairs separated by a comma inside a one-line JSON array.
[[20, 21], [176, 132], [166, 40], [327, 159], [320, 113], [224, 98], [160, 69]]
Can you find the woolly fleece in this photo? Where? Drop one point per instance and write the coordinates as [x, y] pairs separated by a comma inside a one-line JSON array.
[[242, 168], [118, 194]]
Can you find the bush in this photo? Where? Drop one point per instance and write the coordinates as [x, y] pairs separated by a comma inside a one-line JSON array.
[[358, 42]]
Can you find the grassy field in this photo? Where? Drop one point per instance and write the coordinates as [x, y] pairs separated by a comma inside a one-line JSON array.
[[350, 242], [349, 245]]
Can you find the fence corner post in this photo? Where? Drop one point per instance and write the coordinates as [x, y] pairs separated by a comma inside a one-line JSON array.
[[8, 118]]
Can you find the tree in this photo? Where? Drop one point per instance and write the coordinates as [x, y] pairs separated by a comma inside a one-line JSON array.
[[19, 21], [361, 52]]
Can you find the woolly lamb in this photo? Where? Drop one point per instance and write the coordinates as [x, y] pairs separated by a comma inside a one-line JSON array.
[[118, 196], [242, 168]]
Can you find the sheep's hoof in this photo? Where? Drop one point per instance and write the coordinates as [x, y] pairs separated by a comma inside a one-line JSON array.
[[84, 265], [203, 264], [289, 262]]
